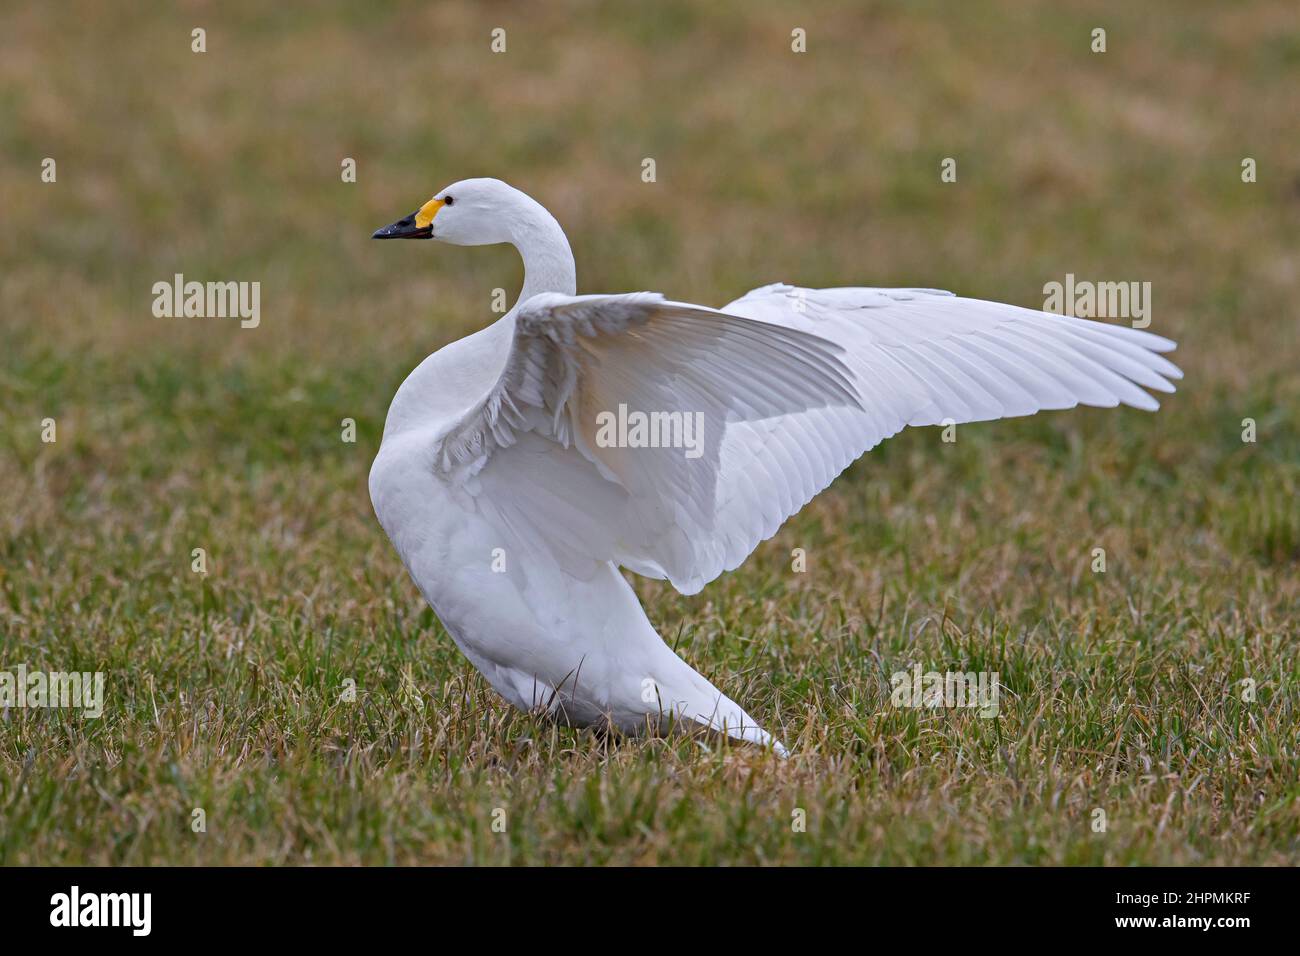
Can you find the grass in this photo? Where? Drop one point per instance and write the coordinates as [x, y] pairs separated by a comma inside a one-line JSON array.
[[1122, 691]]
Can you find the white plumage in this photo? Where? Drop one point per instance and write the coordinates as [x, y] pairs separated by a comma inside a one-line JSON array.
[[514, 517]]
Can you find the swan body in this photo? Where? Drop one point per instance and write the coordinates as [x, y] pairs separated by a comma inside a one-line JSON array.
[[514, 512]]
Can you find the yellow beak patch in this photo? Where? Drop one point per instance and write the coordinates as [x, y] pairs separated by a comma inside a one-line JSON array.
[[427, 212]]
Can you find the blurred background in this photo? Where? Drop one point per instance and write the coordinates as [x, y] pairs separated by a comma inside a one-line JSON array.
[[820, 168]]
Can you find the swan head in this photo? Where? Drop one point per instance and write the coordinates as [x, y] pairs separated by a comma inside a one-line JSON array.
[[472, 212]]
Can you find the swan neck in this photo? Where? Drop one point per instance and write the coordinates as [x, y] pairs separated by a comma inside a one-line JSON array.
[[548, 260]]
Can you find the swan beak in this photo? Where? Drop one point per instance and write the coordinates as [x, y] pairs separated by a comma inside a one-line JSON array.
[[405, 229], [418, 225]]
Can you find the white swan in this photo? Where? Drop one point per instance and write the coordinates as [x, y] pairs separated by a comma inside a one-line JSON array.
[[515, 482]]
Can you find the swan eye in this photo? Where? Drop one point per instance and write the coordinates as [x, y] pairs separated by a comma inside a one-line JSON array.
[[447, 200]]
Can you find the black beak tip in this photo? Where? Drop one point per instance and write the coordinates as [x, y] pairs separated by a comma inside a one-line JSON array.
[[404, 229]]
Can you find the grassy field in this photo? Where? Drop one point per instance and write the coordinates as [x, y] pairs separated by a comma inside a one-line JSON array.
[[1122, 691]]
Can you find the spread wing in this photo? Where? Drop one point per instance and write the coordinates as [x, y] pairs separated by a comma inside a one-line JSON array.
[[672, 439], [923, 357]]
